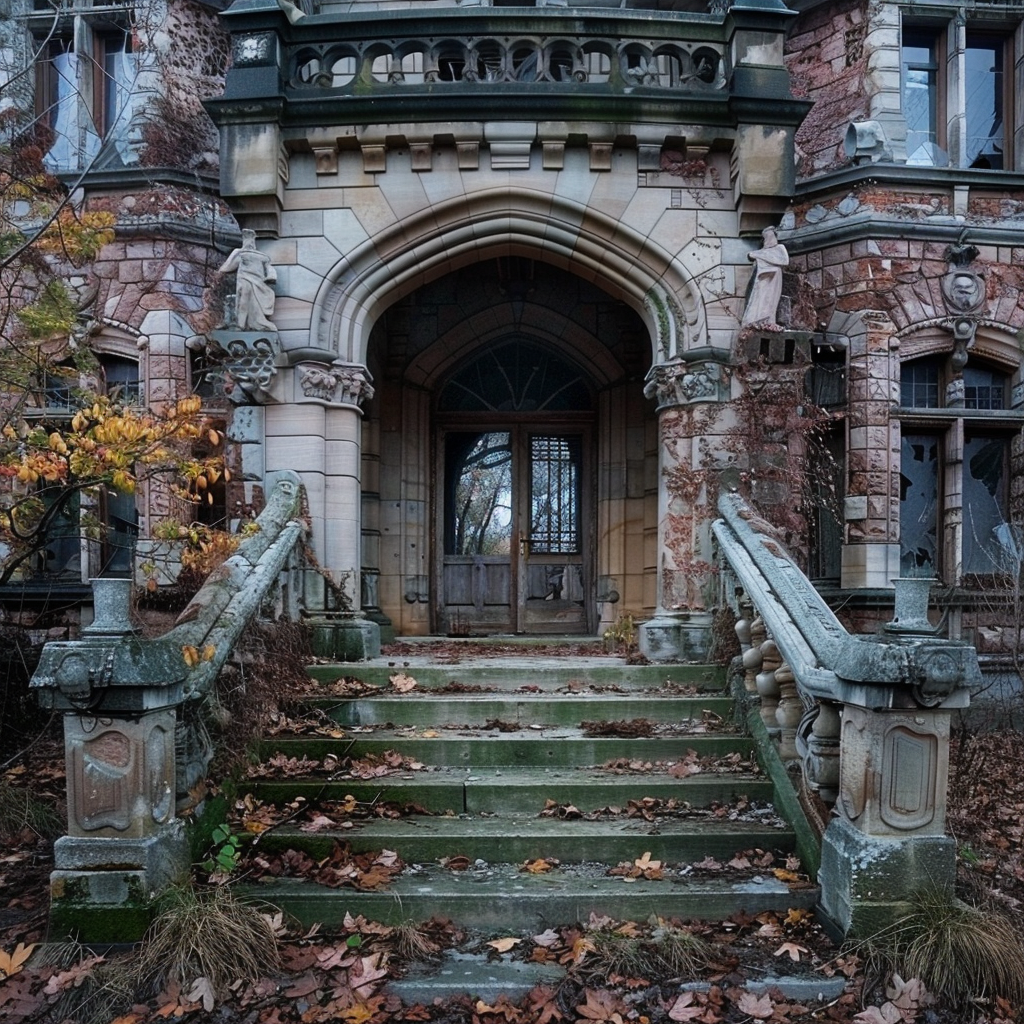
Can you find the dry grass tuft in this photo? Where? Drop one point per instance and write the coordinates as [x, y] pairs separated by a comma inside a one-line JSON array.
[[21, 809], [409, 943], [206, 933], [668, 952], [961, 953]]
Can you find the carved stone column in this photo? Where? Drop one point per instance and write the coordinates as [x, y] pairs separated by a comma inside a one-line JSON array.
[[342, 631], [690, 397]]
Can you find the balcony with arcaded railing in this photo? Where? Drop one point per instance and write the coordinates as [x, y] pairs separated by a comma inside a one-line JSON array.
[[406, 65]]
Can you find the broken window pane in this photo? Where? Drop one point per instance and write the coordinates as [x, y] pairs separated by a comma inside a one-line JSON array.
[[988, 547], [919, 504]]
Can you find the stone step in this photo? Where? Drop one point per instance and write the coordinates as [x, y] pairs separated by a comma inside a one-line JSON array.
[[422, 709], [517, 838], [508, 789], [515, 673], [502, 899], [491, 748]]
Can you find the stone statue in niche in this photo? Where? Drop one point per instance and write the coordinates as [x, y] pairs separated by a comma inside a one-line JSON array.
[[254, 294], [763, 302]]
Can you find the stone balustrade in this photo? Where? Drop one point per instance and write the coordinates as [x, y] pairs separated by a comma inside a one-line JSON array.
[[135, 746], [598, 60], [868, 719]]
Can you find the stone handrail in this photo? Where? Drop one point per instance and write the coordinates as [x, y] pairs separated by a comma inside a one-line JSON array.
[[828, 661], [868, 717], [135, 744]]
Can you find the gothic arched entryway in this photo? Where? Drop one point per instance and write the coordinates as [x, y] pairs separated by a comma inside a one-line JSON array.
[[515, 515]]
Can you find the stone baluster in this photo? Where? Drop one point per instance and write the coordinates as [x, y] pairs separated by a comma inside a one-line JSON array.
[[768, 688], [789, 711], [752, 657], [821, 757]]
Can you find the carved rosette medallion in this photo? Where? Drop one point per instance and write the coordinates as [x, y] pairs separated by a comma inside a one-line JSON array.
[[680, 383], [336, 383]]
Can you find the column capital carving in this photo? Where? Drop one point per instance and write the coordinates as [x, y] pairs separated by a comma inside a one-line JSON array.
[[685, 383], [336, 383]]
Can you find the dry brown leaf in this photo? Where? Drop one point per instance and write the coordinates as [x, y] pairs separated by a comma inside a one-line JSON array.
[[504, 945], [792, 950], [537, 867], [759, 1007], [402, 682], [11, 963], [885, 1014], [684, 1008], [202, 991]]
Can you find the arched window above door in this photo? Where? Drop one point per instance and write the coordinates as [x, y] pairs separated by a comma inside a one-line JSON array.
[[516, 376]]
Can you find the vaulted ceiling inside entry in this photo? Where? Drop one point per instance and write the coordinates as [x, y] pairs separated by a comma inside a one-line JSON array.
[[436, 331]]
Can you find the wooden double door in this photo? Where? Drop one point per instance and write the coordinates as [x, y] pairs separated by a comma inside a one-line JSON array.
[[514, 526]]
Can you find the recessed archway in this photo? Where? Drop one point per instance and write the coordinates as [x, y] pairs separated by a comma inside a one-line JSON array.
[[557, 561], [468, 230]]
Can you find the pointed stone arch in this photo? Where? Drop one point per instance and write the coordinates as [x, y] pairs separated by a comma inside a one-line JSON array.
[[508, 222]]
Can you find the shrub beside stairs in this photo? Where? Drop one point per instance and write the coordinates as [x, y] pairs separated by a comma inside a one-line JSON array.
[[490, 769]]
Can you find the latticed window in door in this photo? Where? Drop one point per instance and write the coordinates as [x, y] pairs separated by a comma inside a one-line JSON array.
[[555, 494]]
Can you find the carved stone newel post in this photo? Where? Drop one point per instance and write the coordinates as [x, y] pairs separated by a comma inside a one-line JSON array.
[[119, 699]]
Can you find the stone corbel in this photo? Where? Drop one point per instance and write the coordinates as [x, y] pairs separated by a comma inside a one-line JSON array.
[[681, 383], [248, 362]]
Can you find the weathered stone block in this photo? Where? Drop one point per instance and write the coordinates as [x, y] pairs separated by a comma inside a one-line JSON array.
[[866, 880]]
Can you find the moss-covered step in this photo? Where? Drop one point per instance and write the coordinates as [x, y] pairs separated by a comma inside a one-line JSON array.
[[519, 789], [492, 748], [425, 708], [508, 675], [501, 899], [517, 838]]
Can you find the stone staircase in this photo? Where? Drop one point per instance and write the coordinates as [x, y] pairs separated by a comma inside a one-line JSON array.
[[500, 763]]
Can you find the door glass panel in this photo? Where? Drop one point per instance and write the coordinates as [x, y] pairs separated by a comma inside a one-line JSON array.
[[478, 485], [555, 495]]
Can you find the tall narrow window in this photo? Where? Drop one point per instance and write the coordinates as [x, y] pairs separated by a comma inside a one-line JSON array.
[[115, 74], [985, 97], [922, 96], [919, 504], [988, 546], [555, 494]]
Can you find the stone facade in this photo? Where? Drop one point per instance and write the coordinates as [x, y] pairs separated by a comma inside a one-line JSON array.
[[542, 247]]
